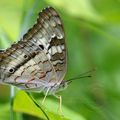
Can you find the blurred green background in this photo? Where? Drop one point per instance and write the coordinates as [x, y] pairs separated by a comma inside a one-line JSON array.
[[92, 29]]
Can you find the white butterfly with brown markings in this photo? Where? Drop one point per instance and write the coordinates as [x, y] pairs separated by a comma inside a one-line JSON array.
[[38, 61]]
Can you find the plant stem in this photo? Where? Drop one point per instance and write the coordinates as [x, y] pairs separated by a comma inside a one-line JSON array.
[[12, 113]]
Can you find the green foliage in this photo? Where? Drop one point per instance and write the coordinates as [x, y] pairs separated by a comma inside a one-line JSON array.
[[93, 40], [26, 105], [4, 108]]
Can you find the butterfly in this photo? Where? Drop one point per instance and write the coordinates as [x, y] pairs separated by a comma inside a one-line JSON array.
[[38, 62]]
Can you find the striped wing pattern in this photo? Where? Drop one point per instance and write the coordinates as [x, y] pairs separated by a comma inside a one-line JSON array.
[[38, 60]]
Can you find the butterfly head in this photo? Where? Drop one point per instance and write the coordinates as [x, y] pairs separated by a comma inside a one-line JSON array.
[[63, 85], [59, 87]]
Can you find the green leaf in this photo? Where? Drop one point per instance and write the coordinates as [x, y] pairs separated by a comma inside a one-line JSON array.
[[66, 112], [23, 103]]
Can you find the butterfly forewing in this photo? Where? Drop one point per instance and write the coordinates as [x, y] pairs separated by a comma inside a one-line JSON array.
[[39, 59]]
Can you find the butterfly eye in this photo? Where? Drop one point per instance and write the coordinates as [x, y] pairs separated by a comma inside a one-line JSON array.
[[41, 46], [25, 56], [11, 70]]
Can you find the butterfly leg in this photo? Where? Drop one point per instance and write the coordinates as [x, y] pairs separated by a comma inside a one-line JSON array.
[[60, 104], [45, 96]]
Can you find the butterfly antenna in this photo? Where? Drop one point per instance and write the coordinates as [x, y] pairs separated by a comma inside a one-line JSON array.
[[87, 74]]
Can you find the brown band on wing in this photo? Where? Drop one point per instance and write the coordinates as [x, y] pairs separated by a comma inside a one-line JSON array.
[[39, 78], [45, 74], [33, 65], [58, 56], [55, 42], [59, 66], [22, 63], [16, 78]]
